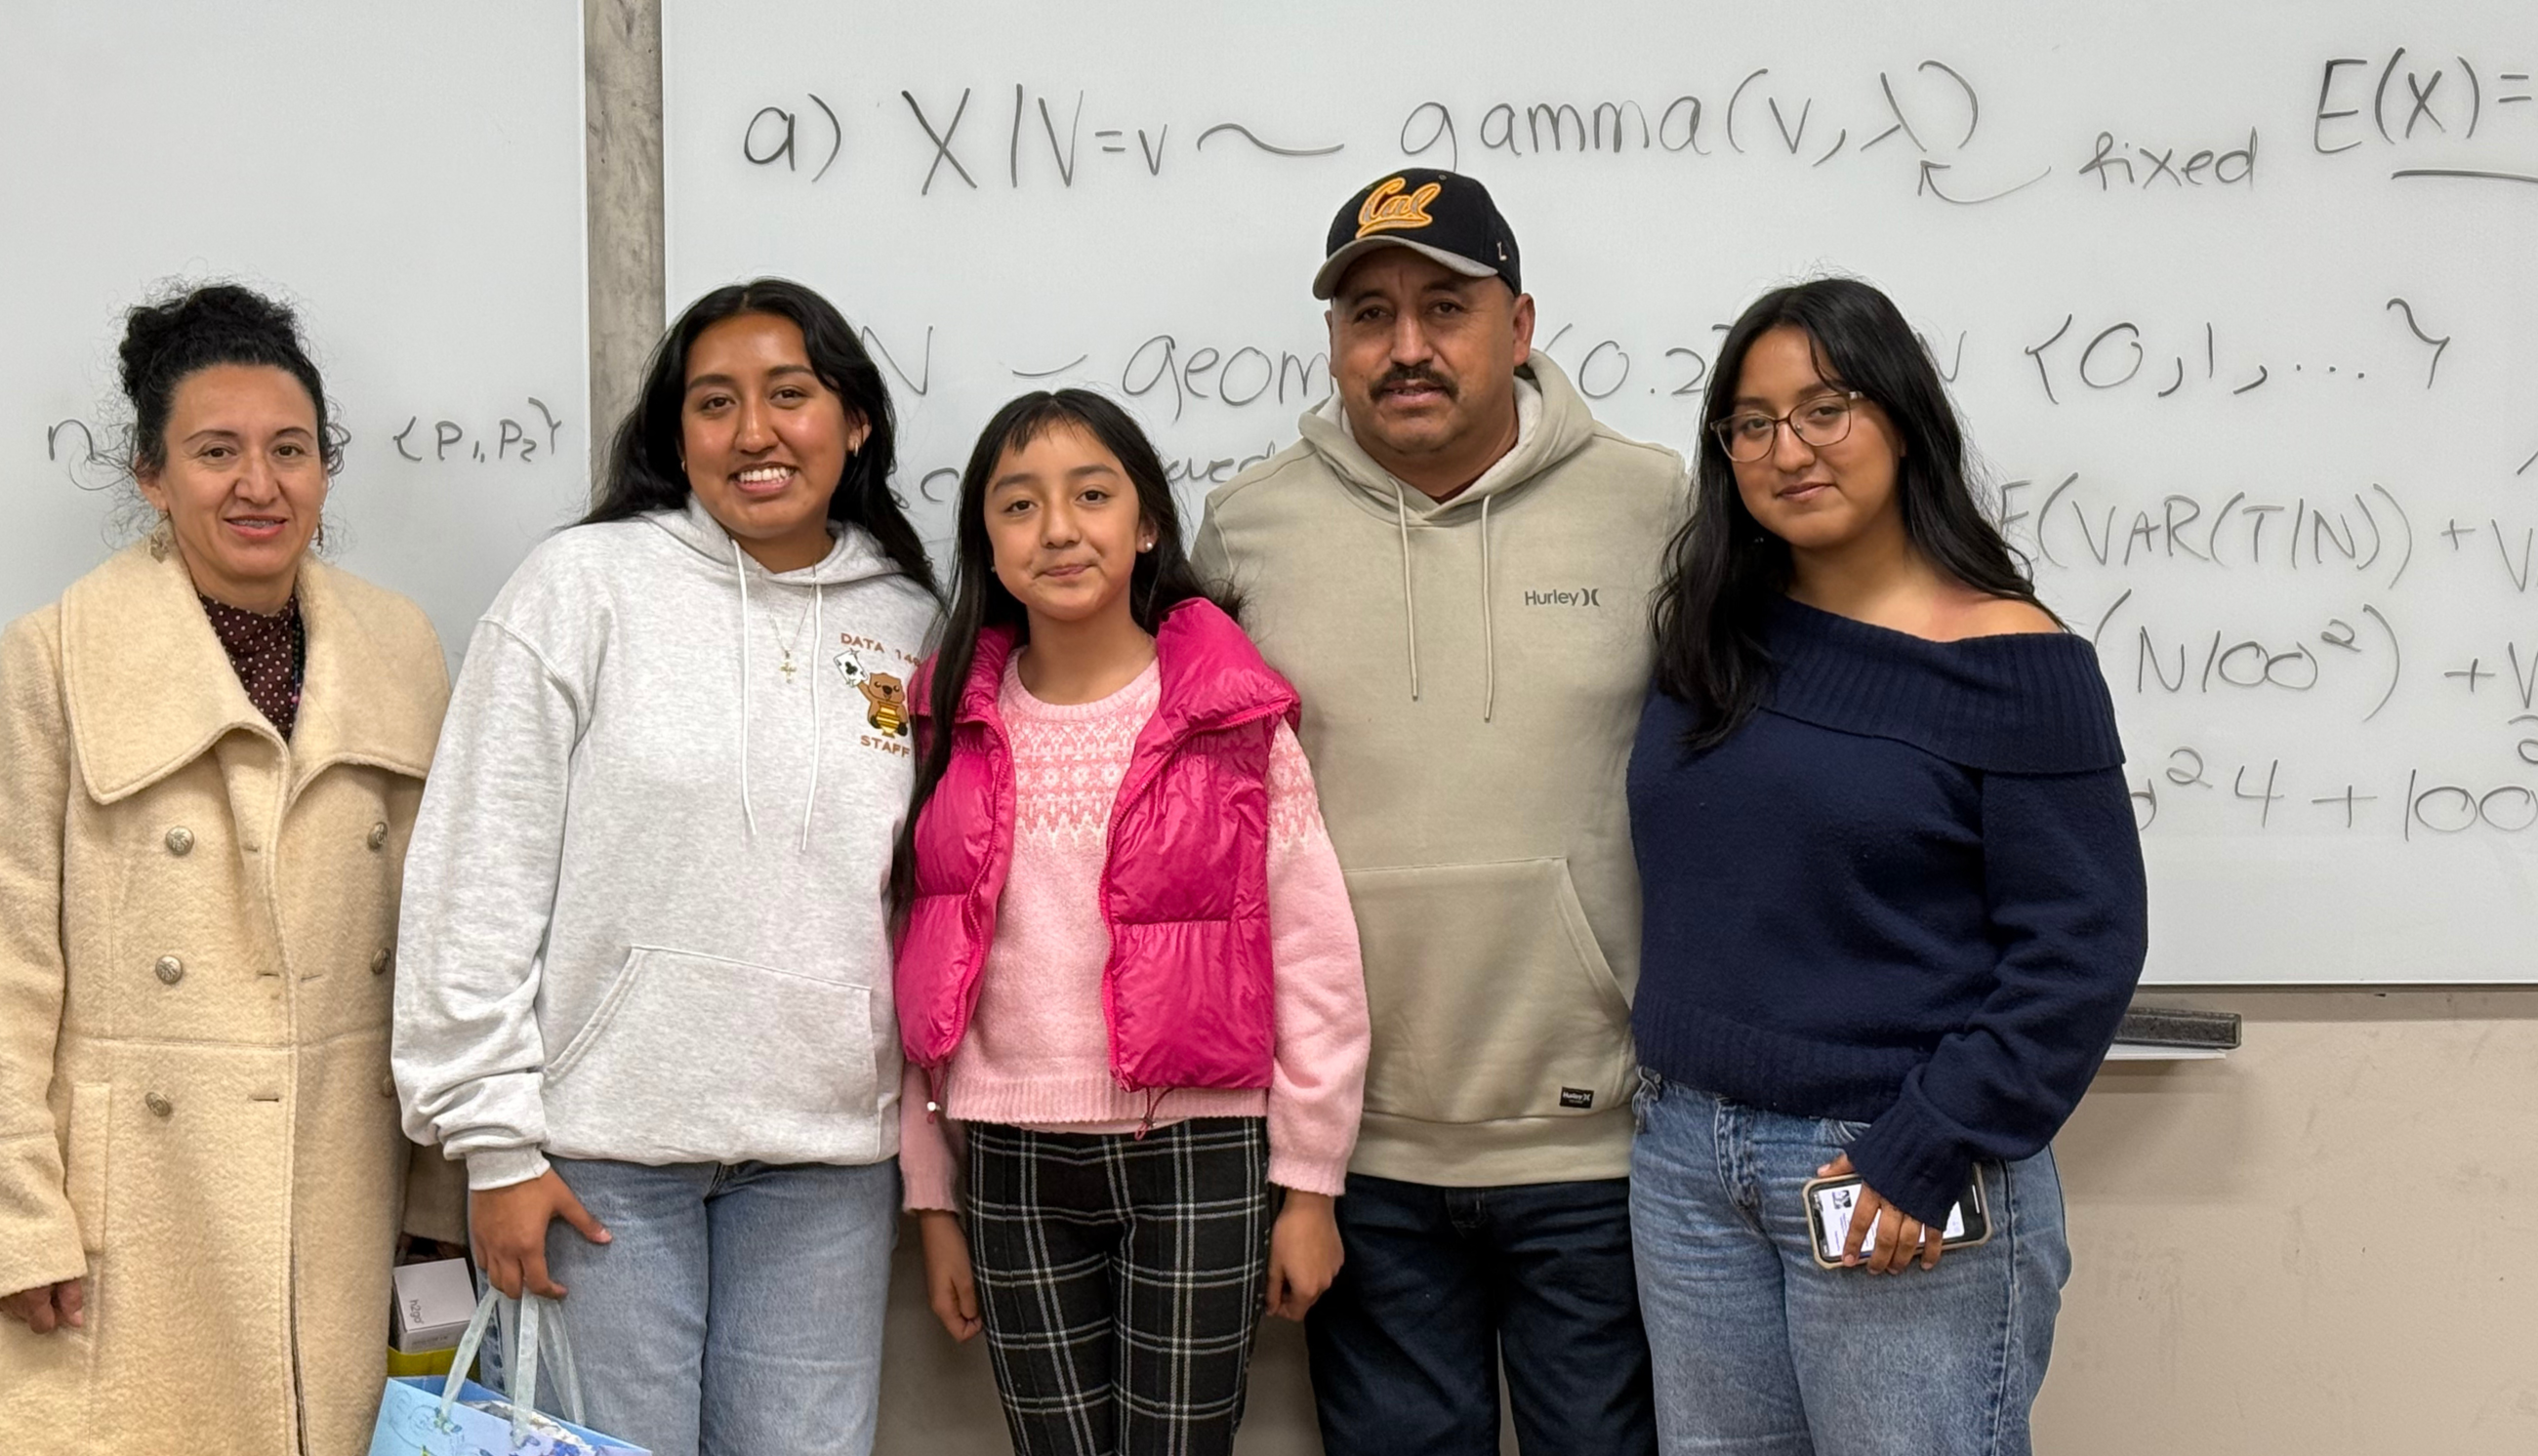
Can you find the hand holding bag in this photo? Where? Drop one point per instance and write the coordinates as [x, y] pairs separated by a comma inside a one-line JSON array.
[[464, 1419]]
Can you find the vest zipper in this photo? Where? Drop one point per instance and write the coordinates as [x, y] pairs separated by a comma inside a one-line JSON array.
[[1000, 751]]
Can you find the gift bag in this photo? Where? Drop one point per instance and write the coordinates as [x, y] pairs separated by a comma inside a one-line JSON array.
[[420, 1415]]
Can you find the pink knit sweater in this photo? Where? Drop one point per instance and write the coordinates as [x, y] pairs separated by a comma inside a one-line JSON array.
[[1037, 1052]]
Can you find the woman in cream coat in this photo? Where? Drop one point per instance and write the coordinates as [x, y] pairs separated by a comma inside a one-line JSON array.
[[202, 1177]]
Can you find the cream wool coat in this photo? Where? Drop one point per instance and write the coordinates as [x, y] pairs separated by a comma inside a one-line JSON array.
[[195, 932]]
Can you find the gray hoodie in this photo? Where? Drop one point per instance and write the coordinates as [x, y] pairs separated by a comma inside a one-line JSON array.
[[1472, 672], [643, 906]]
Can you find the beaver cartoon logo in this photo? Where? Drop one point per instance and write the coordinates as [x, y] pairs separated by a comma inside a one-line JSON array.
[[889, 699], [885, 696]]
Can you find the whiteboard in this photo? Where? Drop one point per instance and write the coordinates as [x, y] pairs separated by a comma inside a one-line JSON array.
[[409, 177], [2239, 302]]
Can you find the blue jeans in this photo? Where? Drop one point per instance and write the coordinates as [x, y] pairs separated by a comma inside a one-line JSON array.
[[737, 1308], [1440, 1281], [1762, 1352]]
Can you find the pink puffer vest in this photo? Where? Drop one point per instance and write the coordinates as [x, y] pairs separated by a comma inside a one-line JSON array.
[[1186, 991]]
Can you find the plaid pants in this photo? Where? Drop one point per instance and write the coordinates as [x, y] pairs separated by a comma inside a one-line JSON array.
[[1120, 1280]]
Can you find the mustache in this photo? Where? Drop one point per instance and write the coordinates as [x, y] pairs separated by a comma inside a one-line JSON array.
[[1414, 374]]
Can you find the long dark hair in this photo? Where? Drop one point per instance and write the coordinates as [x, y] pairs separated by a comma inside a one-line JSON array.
[[1723, 570], [1161, 579], [643, 470]]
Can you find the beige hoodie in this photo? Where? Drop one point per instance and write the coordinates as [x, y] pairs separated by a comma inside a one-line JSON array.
[[1472, 672]]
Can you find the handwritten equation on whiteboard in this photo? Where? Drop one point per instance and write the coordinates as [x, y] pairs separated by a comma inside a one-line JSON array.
[[84, 450], [1921, 120], [1926, 131]]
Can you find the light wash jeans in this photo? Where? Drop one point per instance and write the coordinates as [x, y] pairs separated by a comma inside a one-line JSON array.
[[737, 1310], [1762, 1352]]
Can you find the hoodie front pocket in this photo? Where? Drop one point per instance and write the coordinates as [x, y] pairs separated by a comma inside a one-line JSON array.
[[693, 1058], [1488, 995]]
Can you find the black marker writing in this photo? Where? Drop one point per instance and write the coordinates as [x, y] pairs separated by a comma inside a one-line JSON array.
[[2417, 329], [1245, 132], [942, 139]]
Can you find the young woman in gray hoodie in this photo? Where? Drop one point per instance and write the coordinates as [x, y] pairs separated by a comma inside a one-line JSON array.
[[645, 972]]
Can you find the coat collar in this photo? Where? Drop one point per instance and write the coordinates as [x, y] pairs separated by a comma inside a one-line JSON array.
[[148, 688]]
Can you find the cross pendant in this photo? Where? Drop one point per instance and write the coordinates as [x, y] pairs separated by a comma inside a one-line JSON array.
[[786, 668]]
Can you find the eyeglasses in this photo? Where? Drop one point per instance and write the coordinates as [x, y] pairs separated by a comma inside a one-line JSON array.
[[1750, 436]]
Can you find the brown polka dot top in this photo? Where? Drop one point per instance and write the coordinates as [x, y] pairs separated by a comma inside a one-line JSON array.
[[268, 653]]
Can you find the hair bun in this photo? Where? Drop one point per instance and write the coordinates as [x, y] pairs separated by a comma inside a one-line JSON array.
[[219, 314]]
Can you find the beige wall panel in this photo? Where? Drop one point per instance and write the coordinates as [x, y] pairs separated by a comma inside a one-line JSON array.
[[2322, 1243]]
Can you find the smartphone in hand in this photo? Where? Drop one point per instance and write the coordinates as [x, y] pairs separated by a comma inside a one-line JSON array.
[[1829, 1201]]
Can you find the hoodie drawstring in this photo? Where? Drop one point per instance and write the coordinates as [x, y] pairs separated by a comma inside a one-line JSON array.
[[818, 645], [1488, 611], [1409, 602], [748, 814], [1489, 624], [819, 631]]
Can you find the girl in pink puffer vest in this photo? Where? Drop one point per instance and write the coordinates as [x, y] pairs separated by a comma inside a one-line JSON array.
[[1126, 966]]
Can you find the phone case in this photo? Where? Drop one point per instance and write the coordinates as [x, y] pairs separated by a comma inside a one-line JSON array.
[[1975, 1203]]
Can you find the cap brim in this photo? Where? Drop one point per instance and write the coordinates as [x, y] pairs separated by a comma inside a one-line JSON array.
[[1336, 266]]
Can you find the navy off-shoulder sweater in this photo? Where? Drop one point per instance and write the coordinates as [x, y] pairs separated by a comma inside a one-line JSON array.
[[1909, 892]]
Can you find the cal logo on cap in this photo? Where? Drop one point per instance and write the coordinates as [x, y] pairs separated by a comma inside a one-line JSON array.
[[1385, 211]]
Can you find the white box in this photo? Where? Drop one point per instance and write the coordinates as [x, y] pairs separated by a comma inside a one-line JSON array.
[[433, 1303]]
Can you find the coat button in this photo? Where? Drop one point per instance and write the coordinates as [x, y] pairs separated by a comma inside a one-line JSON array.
[[171, 971], [380, 962], [158, 1105], [378, 835], [181, 840]]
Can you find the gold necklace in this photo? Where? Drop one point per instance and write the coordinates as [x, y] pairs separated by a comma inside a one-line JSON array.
[[787, 646]]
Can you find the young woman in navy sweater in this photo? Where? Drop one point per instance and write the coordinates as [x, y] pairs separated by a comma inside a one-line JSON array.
[[1894, 910]]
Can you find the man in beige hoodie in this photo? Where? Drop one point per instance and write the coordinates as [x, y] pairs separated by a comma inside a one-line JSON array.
[[1453, 566]]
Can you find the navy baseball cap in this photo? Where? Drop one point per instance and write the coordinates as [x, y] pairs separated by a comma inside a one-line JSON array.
[[1442, 216]]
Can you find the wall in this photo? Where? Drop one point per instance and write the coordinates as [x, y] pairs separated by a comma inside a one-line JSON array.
[[2318, 1245], [2321, 1243]]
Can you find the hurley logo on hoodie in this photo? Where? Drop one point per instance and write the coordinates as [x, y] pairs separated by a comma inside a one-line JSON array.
[[1584, 596]]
